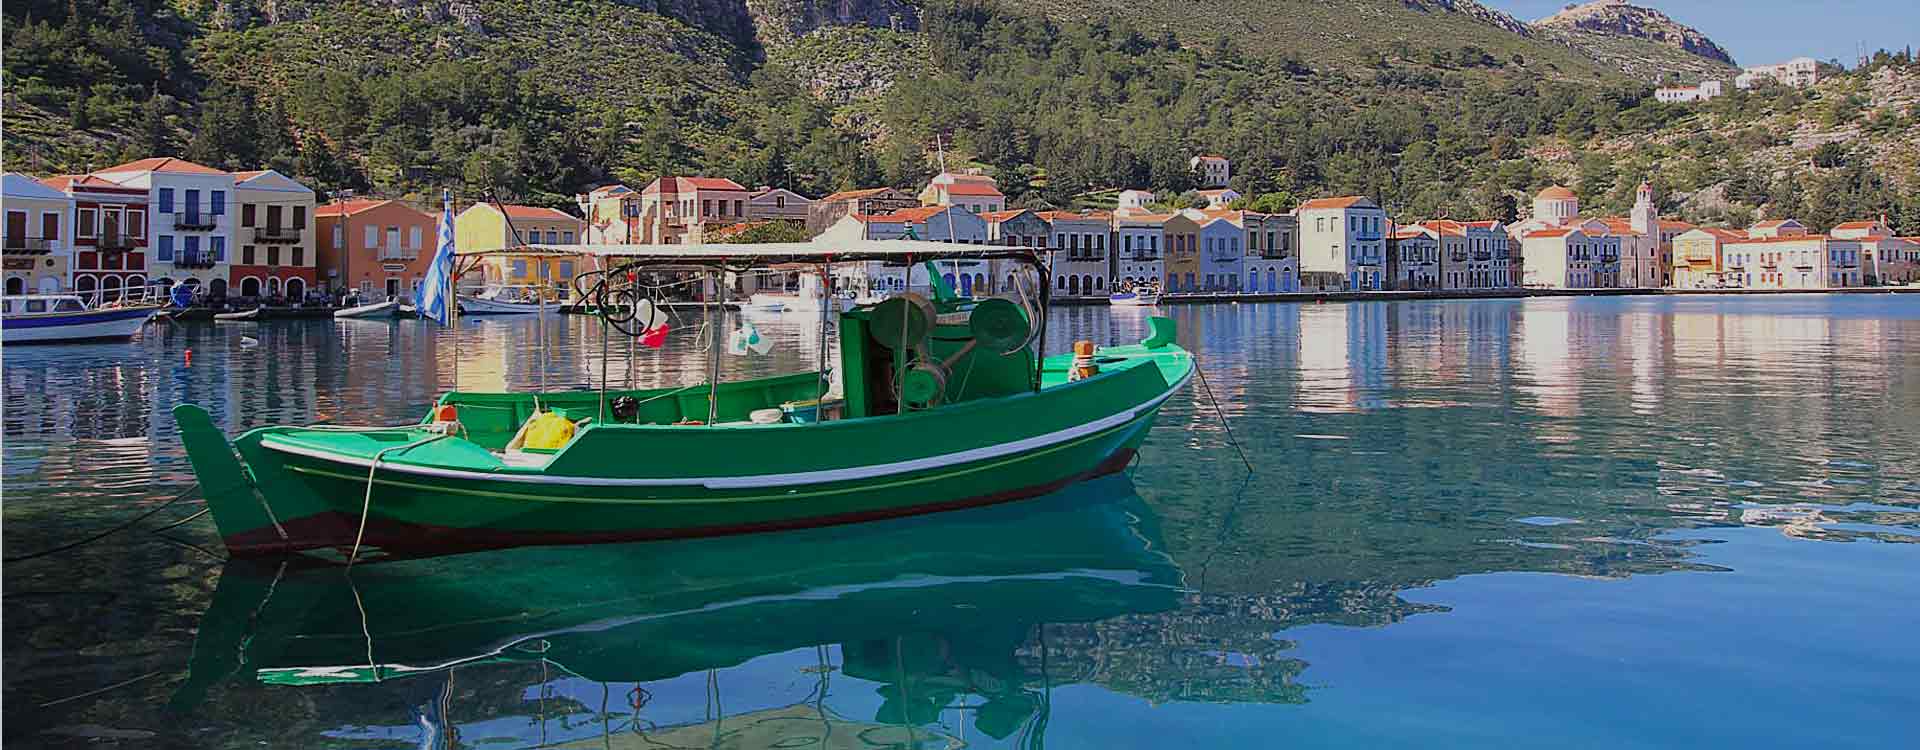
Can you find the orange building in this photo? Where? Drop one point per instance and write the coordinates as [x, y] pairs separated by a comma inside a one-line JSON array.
[[379, 248]]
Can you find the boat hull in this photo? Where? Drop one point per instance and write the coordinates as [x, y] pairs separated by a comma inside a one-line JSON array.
[[1133, 300], [478, 306], [377, 310], [93, 325], [629, 482]]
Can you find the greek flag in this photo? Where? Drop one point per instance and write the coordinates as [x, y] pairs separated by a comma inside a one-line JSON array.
[[434, 288]]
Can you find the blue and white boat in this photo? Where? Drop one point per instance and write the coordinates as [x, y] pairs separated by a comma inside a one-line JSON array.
[[53, 318]]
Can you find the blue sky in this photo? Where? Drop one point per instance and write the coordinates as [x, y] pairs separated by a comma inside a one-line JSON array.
[[1759, 32]]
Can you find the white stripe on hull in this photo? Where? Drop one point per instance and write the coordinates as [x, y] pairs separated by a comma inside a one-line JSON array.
[[793, 479], [474, 306]]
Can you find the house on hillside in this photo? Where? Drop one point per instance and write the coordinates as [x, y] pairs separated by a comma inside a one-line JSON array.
[[1211, 170], [869, 201], [778, 204]]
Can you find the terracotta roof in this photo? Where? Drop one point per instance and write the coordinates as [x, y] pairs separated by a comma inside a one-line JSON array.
[[1447, 227], [1408, 233], [1857, 225], [915, 214], [1675, 224], [1146, 218], [537, 212], [854, 194], [238, 176], [1211, 157], [1619, 225], [980, 189], [349, 208], [66, 182], [1774, 223], [1551, 233], [672, 185], [1488, 224], [1343, 202], [611, 189], [1556, 193], [163, 164], [1002, 215], [1725, 234], [1100, 216], [1217, 191]]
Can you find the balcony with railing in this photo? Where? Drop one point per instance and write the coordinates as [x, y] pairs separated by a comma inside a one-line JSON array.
[[195, 222], [21, 245], [1457, 256], [195, 259], [396, 252], [114, 241], [1483, 255], [275, 235]]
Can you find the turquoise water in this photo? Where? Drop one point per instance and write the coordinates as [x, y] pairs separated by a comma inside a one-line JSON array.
[[1620, 522]]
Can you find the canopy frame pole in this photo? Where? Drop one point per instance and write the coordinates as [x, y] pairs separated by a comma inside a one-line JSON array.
[[826, 300], [540, 298], [716, 317], [900, 354]]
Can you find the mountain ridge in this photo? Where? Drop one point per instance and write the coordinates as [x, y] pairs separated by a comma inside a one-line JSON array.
[[1620, 18]]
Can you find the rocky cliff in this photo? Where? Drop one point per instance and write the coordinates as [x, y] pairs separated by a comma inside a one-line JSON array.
[[1621, 19]]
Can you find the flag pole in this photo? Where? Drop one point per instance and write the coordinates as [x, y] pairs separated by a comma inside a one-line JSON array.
[[452, 302]]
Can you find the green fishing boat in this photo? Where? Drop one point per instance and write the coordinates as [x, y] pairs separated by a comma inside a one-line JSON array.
[[945, 402]]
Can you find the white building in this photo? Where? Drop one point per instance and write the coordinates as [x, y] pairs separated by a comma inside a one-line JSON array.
[[973, 192], [1134, 201], [1078, 254], [1220, 198], [192, 220], [778, 204], [1345, 236], [1800, 72], [1794, 261], [1211, 170], [1566, 258], [930, 223], [1137, 240], [1414, 258], [1697, 93]]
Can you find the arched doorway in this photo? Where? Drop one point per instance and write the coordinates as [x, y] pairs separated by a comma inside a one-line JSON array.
[[1099, 284], [296, 290], [16, 285], [84, 284], [109, 288], [1073, 285], [273, 287], [249, 287], [217, 288], [137, 286], [980, 283]]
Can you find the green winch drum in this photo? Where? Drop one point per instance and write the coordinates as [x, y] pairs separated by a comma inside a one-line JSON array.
[[926, 385], [999, 324], [903, 320]]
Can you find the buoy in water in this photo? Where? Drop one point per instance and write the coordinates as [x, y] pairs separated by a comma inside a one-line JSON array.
[[189, 357], [248, 342]]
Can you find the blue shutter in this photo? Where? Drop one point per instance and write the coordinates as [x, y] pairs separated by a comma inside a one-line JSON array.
[[193, 205], [166, 200], [219, 202], [219, 248], [166, 248], [192, 245]]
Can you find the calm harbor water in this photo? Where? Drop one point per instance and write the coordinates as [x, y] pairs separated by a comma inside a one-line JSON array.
[[1577, 522]]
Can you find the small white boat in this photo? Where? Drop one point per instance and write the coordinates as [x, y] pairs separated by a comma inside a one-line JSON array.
[[244, 315], [376, 310], [1135, 298], [52, 318], [792, 304], [506, 300]]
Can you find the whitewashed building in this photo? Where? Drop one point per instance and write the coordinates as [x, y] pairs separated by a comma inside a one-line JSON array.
[[193, 219], [1137, 238], [1344, 236]]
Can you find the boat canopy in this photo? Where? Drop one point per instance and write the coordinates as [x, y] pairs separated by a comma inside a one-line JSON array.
[[782, 252]]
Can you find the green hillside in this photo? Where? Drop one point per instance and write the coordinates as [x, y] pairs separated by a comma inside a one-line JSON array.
[[1433, 106]]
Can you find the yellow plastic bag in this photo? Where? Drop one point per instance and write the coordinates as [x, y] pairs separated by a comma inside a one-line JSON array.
[[548, 431]]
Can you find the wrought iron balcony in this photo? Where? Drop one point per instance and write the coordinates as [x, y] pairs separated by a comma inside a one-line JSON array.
[[391, 252], [114, 241], [275, 235], [195, 222], [28, 246], [197, 259]]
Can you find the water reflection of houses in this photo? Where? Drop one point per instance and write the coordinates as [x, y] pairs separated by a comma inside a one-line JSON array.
[[1343, 357]]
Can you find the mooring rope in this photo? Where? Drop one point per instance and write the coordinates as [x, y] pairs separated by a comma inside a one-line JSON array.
[[109, 532], [1228, 426], [366, 502]]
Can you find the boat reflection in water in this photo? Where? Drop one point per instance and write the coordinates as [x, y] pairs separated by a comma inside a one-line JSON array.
[[940, 620]]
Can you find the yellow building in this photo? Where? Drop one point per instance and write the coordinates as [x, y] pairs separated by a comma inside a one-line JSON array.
[[486, 227]]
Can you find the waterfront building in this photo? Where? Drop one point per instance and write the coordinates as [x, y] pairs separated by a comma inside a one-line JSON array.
[[1272, 260], [973, 192], [1783, 255], [1643, 240], [612, 216], [1223, 255], [1017, 227], [870, 202], [1884, 258], [378, 248], [1134, 202], [1698, 262], [1413, 258], [1344, 236], [112, 228], [1078, 256], [1137, 241], [930, 223], [779, 204], [192, 224], [37, 247], [1799, 73], [679, 210], [1180, 238], [490, 226], [276, 253], [1211, 170], [1567, 258]]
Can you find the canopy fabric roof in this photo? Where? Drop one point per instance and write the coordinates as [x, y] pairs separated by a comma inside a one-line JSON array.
[[777, 252]]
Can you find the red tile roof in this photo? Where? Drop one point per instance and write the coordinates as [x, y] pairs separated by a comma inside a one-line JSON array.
[[1488, 224], [1857, 225], [1725, 234], [163, 164], [976, 189], [239, 176], [1772, 240], [1100, 216], [1002, 215], [915, 214], [1343, 202], [67, 182], [534, 212], [1447, 227], [675, 185], [1551, 233], [1620, 225], [1556, 193]]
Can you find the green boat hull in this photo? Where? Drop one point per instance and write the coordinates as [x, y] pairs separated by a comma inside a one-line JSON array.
[[404, 492]]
